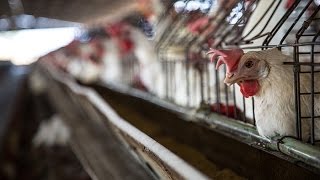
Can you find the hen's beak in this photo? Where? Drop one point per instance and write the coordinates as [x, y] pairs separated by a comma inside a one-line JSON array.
[[232, 78]]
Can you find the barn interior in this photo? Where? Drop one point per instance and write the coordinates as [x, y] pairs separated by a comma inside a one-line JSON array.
[[159, 89]]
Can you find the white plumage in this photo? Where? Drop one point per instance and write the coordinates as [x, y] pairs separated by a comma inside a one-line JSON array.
[[112, 69], [151, 73], [274, 101], [258, 13], [275, 104], [52, 132]]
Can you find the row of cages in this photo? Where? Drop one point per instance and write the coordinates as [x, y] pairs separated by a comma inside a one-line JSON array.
[[281, 34], [290, 26]]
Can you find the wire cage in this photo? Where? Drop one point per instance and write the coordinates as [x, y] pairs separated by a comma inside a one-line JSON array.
[[295, 32], [291, 26], [181, 71], [184, 36]]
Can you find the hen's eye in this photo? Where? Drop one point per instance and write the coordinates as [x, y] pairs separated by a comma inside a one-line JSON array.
[[248, 64]]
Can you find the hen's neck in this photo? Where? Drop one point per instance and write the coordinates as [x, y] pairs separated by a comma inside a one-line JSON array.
[[278, 83]]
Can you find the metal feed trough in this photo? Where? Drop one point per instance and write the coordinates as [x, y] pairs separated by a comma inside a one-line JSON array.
[[228, 138], [108, 146]]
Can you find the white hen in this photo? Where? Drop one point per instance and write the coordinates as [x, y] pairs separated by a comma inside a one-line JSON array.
[[262, 74], [112, 70], [151, 73]]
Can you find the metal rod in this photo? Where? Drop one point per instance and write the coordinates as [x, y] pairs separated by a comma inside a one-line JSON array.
[[296, 69], [253, 113], [306, 24], [308, 117], [166, 78], [226, 33], [217, 84], [226, 92], [310, 92], [312, 139], [200, 70], [280, 23], [244, 109], [235, 102], [258, 22], [295, 21], [259, 35], [174, 88], [188, 82], [208, 82]]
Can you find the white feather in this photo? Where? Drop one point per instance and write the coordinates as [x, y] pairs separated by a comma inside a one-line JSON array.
[[37, 83], [52, 132], [112, 70], [274, 104], [151, 73]]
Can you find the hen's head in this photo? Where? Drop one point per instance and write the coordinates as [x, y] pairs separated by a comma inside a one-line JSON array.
[[244, 69]]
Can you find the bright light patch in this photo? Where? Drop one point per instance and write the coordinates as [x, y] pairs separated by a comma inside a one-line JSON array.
[[26, 46]]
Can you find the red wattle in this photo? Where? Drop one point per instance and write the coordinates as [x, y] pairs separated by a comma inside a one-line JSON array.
[[249, 88], [224, 109]]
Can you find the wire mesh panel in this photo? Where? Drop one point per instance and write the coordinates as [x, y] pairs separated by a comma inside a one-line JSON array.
[[282, 35], [290, 26], [131, 67]]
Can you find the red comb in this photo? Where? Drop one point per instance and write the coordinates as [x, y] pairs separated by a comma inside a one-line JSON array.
[[229, 57], [196, 26], [116, 29]]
